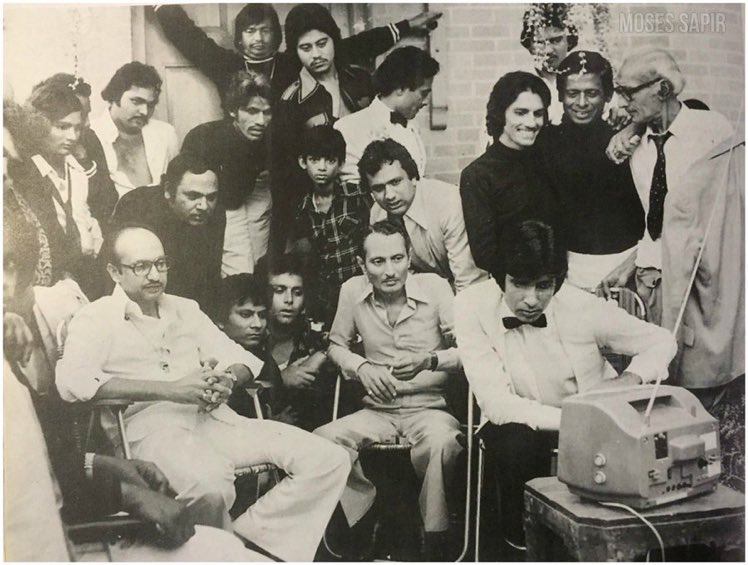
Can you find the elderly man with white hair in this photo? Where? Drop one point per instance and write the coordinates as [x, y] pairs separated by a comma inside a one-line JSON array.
[[689, 172], [673, 137]]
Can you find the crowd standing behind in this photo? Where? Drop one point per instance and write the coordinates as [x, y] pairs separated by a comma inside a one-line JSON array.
[[297, 242]]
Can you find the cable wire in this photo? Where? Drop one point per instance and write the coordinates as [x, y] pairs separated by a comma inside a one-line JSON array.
[[643, 519]]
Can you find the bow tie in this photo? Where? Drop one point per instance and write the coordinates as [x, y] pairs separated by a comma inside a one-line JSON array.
[[512, 323], [397, 118]]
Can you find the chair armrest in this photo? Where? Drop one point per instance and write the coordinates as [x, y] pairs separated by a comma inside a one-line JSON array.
[[111, 403], [109, 528]]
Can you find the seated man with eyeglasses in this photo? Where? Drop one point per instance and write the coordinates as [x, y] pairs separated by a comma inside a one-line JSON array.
[[162, 352], [184, 213]]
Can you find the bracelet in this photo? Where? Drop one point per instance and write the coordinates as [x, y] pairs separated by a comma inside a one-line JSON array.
[[88, 460], [434, 361]]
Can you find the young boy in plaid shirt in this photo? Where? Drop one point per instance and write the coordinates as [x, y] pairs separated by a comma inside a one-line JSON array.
[[328, 223]]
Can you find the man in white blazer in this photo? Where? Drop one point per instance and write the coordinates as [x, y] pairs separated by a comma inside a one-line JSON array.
[[528, 341]]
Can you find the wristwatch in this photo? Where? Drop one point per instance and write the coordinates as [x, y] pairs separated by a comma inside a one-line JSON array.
[[433, 361]]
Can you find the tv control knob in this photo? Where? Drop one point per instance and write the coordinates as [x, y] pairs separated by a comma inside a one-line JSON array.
[[599, 477], [600, 460]]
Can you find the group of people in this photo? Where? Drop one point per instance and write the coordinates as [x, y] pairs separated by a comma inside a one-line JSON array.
[[298, 242]]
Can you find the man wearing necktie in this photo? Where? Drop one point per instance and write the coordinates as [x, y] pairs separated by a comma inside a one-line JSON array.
[[673, 137], [689, 173], [528, 341]]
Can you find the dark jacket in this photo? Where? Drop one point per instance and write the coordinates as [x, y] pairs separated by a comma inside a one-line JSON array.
[[237, 160], [500, 187], [303, 106], [218, 63], [64, 246], [102, 196], [601, 210], [196, 252]]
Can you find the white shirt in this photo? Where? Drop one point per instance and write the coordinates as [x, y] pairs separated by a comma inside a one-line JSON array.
[[373, 122], [160, 142], [436, 228], [694, 133], [522, 375], [112, 338], [75, 182]]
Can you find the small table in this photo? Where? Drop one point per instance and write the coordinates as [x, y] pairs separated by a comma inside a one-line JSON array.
[[591, 532]]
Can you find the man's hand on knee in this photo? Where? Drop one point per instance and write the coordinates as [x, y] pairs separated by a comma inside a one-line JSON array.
[[143, 474]]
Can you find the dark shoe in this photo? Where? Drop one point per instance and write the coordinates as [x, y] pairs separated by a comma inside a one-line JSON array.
[[437, 547]]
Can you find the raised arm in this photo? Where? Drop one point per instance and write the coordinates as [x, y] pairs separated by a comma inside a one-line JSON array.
[[370, 43], [213, 60]]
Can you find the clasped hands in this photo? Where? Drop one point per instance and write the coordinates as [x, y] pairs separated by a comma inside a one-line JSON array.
[[205, 387]]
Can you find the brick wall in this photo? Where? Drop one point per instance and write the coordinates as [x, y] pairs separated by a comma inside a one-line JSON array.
[[482, 43]]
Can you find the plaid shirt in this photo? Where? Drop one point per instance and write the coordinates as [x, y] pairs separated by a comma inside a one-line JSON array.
[[334, 234]]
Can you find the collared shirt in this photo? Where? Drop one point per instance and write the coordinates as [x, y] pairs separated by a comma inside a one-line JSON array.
[[436, 227], [332, 86], [362, 127], [160, 143], [73, 185], [535, 360], [522, 375], [423, 325], [694, 133], [112, 338], [335, 234]]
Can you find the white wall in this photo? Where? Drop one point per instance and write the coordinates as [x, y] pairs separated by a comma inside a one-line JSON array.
[[41, 40]]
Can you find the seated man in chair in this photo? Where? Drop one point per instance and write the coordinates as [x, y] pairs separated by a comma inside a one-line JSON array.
[[528, 341], [405, 321], [44, 460], [164, 353]]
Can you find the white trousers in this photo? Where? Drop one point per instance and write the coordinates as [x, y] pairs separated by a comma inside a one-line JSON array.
[[433, 435], [248, 230], [289, 521], [208, 544]]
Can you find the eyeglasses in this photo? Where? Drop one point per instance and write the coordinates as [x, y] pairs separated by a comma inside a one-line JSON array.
[[142, 268], [627, 92]]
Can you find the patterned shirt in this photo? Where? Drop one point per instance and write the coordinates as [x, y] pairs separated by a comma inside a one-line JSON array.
[[334, 234]]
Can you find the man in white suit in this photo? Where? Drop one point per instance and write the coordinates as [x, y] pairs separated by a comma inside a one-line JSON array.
[[530, 341]]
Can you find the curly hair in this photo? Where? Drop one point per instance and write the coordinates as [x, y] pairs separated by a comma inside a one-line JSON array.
[[506, 91], [544, 15]]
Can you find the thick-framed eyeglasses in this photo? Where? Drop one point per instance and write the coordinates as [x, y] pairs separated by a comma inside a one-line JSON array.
[[627, 92], [142, 268]]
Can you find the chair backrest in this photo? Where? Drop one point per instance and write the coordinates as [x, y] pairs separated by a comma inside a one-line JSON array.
[[54, 307]]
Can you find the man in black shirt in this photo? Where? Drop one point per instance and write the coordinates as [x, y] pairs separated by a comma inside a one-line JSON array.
[[601, 214], [183, 213]]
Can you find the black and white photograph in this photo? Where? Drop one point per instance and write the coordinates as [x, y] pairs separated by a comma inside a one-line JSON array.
[[357, 282]]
